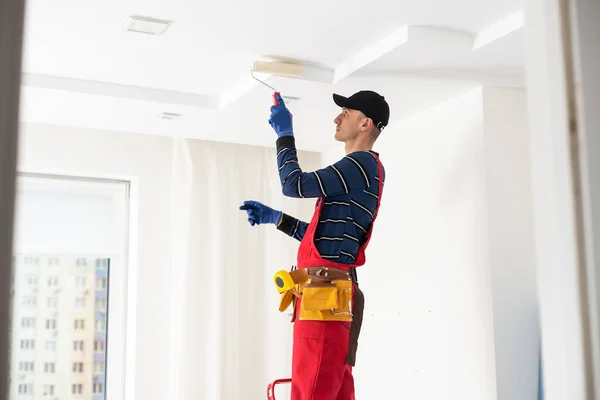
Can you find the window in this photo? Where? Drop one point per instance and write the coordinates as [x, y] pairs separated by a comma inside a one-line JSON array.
[[52, 281], [28, 322], [26, 366], [52, 302], [32, 260], [98, 345], [77, 388], [48, 390], [50, 345], [100, 325], [101, 283], [78, 345], [26, 388], [98, 388], [80, 302], [100, 304], [31, 280], [69, 232], [81, 262], [79, 324], [50, 367], [51, 324], [29, 301], [98, 367], [80, 281]]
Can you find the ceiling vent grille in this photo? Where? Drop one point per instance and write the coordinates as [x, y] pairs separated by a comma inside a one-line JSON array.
[[147, 25]]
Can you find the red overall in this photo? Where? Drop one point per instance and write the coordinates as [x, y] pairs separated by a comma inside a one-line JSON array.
[[320, 370]]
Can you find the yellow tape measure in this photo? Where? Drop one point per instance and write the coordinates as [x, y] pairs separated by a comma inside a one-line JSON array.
[[283, 281]]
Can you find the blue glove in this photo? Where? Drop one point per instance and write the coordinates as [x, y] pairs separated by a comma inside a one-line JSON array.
[[260, 214], [281, 118]]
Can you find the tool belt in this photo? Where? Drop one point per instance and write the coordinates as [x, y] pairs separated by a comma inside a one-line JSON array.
[[326, 293]]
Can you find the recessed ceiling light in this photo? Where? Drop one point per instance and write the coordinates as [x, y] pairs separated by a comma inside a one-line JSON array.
[[150, 26], [168, 115]]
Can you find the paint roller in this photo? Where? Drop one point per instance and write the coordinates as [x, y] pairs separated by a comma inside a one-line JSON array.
[[278, 68]]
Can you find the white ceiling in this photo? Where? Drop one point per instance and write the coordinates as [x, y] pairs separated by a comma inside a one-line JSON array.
[[81, 68]]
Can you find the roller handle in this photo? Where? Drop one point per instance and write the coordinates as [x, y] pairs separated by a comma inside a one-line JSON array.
[[275, 102]]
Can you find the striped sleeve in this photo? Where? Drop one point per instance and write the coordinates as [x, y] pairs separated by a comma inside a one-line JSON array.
[[355, 172], [292, 227]]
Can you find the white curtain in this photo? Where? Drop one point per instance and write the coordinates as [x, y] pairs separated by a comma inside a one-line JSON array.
[[228, 339]]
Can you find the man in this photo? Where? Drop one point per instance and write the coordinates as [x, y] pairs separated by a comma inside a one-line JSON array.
[[334, 242]]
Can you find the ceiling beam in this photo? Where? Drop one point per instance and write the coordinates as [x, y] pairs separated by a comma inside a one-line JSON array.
[[119, 91], [499, 29], [371, 53]]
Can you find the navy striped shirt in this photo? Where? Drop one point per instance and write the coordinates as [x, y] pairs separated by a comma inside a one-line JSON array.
[[350, 188]]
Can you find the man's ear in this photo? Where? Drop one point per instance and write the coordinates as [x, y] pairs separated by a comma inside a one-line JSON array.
[[367, 124]]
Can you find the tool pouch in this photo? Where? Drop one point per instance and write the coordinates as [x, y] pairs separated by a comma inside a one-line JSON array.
[[326, 301]]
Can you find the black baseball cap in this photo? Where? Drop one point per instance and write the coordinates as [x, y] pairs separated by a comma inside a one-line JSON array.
[[370, 103]]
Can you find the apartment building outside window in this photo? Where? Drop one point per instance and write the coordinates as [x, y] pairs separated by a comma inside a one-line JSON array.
[[28, 322], [52, 302], [26, 366], [50, 324], [28, 344]]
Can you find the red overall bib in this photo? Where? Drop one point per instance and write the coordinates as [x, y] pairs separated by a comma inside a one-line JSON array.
[[321, 359]]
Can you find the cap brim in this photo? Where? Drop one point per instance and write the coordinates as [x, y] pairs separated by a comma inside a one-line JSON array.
[[340, 100]]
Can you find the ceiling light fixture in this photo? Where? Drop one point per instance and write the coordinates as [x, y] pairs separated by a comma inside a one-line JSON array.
[[147, 25]]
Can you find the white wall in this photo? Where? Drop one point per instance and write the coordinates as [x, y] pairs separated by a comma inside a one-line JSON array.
[[157, 345], [450, 298], [510, 227]]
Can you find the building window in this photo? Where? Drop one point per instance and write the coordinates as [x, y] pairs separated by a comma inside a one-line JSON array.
[[98, 367], [50, 367], [102, 263], [52, 302], [79, 324], [26, 388], [80, 302], [78, 345], [28, 344], [78, 367], [26, 366], [51, 324], [80, 281], [98, 345], [28, 322], [48, 390], [101, 304], [31, 280], [100, 325], [81, 262], [50, 345], [98, 388], [53, 261], [29, 301], [101, 283], [53, 281], [77, 388], [29, 260]]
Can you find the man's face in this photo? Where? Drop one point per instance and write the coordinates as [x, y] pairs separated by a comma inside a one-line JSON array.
[[348, 124]]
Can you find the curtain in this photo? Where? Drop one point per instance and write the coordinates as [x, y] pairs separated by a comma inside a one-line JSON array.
[[228, 339]]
